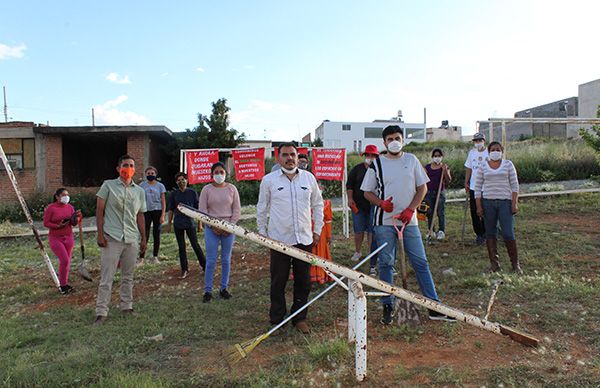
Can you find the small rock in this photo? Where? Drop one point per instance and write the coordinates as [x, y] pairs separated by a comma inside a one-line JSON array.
[[547, 340], [448, 272], [445, 254], [580, 362], [158, 337]]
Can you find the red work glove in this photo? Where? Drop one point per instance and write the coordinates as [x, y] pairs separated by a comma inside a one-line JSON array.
[[406, 215], [354, 208], [387, 205]]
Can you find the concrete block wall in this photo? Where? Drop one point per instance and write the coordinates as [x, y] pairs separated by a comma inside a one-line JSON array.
[[26, 179]]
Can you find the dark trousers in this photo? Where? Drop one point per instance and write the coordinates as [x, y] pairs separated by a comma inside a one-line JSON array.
[[280, 272], [193, 237], [153, 217], [478, 225]]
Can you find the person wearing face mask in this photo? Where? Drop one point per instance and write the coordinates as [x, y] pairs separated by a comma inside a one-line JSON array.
[[221, 200], [183, 224], [59, 218], [497, 199], [435, 170], [120, 208], [155, 211], [303, 162], [362, 216], [287, 201], [476, 158], [396, 184]]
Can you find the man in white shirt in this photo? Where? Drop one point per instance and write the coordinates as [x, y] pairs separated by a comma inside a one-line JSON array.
[[477, 156], [396, 183], [287, 199]]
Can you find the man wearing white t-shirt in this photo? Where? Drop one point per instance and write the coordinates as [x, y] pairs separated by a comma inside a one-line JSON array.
[[477, 156], [395, 184]]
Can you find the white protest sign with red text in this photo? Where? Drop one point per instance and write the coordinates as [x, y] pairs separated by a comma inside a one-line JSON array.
[[199, 164], [249, 164], [328, 163]]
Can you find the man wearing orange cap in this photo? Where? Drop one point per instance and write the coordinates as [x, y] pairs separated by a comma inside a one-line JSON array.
[[362, 218]]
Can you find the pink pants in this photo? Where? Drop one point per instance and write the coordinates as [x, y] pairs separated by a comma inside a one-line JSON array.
[[62, 246]]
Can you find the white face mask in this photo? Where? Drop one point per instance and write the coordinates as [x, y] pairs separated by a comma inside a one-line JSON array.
[[437, 159], [395, 147], [368, 161], [292, 171], [496, 155], [65, 199], [219, 178], [479, 146]]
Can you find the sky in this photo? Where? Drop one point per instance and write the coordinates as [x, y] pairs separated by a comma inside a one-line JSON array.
[[285, 66]]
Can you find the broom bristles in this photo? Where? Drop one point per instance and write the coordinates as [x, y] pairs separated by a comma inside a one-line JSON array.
[[240, 351]]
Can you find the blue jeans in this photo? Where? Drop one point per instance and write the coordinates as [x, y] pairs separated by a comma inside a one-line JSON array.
[[363, 221], [441, 210], [212, 242], [413, 246], [499, 210]]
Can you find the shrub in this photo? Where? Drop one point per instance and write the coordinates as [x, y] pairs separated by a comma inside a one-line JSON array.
[[37, 203]]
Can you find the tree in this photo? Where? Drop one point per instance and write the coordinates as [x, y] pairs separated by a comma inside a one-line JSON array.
[[318, 142], [592, 137]]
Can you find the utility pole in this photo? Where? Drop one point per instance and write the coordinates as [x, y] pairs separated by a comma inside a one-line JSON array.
[[93, 118], [5, 106]]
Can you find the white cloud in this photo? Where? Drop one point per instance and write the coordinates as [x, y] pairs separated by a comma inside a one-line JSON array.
[[200, 69], [116, 79], [108, 114], [7, 52]]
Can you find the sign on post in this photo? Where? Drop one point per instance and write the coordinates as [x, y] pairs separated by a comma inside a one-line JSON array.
[[328, 163], [199, 163], [249, 164]]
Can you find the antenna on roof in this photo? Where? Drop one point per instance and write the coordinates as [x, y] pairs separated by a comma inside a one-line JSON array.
[[93, 119], [5, 106]]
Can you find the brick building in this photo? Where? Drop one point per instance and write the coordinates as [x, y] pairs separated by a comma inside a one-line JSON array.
[[79, 158]]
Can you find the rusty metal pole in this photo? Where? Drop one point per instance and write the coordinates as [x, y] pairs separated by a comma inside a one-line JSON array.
[[360, 324], [339, 269]]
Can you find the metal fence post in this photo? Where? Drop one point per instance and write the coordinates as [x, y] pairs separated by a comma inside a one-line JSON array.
[[351, 313], [360, 327]]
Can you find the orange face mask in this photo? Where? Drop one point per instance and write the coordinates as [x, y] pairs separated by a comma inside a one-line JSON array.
[[127, 172]]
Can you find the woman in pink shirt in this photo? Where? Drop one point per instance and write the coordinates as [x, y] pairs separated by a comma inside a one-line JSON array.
[[59, 217], [221, 200]]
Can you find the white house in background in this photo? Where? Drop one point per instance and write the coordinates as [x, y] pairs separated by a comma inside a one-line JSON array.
[[354, 136]]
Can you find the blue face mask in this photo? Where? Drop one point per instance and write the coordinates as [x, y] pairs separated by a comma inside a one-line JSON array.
[[151, 177]]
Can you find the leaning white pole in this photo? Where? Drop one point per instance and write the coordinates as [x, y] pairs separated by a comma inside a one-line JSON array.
[[359, 276], [13, 180]]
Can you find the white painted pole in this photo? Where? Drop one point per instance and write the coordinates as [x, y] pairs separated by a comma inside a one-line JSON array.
[[358, 276], [504, 139], [351, 316], [491, 133], [13, 180], [346, 221], [360, 323]]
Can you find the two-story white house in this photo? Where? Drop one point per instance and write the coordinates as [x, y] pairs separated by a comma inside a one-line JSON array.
[[354, 136]]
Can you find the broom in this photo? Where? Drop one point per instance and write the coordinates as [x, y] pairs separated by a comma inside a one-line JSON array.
[[81, 268], [240, 351]]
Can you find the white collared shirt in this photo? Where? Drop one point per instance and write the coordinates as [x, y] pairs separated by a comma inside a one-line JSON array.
[[288, 206]]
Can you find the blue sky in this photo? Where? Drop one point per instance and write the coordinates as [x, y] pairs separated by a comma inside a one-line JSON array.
[[286, 66]]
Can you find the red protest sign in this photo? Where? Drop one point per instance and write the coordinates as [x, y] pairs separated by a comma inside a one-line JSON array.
[[249, 164], [301, 150], [328, 164], [199, 164]]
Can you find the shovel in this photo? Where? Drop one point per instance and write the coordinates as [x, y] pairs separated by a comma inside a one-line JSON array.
[[430, 234], [81, 268], [406, 311]]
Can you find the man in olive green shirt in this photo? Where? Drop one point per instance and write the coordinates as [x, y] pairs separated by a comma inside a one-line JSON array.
[[120, 207]]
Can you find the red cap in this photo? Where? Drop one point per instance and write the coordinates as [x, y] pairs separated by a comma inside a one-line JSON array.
[[370, 149]]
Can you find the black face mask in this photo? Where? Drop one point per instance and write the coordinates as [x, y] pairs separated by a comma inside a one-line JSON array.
[[151, 177]]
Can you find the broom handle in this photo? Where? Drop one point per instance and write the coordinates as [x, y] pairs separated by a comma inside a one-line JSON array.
[[325, 291], [81, 241], [464, 222], [401, 253], [13, 180], [359, 276]]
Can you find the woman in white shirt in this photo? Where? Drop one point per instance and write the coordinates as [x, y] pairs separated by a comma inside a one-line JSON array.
[[497, 198]]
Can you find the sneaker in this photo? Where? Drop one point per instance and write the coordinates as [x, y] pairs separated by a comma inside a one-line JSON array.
[[302, 327], [441, 235], [184, 274], [100, 320], [207, 297], [139, 263], [225, 294], [388, 314], [373, 271], [355, 256], [66, 289], [155, 260], [435, 316]]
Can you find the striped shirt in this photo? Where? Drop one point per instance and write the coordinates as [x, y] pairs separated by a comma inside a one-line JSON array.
[[497, 183]]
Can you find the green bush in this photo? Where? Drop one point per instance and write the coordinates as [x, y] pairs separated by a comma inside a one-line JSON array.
[[37, 203]]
